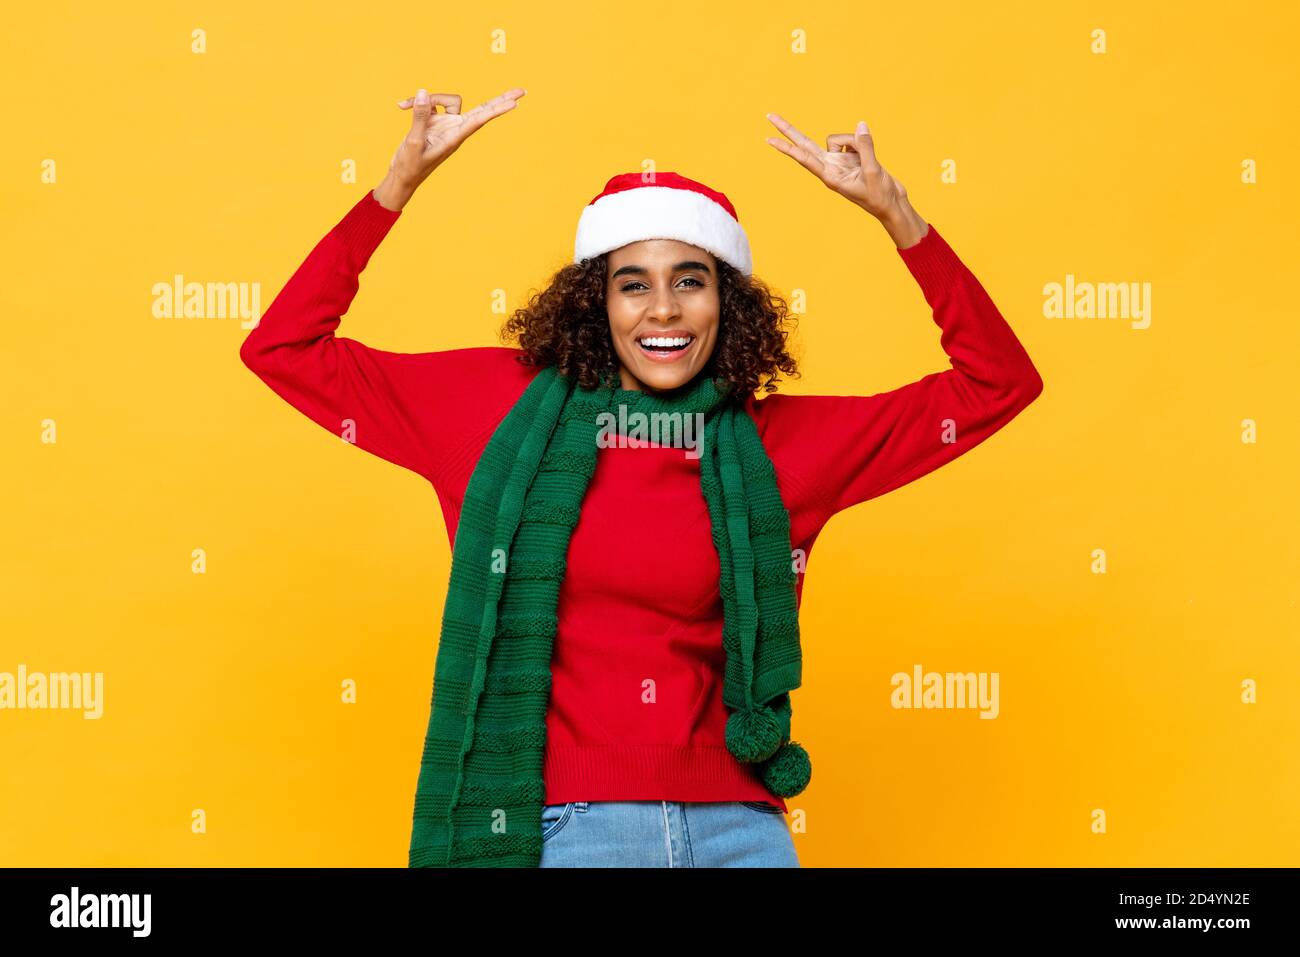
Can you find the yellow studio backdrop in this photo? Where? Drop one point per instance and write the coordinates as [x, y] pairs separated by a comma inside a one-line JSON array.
[[1122, 556]]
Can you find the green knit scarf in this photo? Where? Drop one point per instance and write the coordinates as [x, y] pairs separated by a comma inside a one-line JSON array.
[[480, 792]]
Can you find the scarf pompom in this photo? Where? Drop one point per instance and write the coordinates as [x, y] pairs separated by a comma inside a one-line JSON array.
[[754, 734], [789, 771]]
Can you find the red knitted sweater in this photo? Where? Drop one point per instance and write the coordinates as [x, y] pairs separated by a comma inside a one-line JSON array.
[[636, 708]]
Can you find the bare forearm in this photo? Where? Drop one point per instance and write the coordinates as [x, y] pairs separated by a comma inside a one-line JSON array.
[[393, 194], [905, 225]]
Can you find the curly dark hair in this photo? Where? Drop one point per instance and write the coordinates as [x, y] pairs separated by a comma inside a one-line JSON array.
[[566, 325]]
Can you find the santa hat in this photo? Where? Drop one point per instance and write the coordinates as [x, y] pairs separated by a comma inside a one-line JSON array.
[[636, 206]]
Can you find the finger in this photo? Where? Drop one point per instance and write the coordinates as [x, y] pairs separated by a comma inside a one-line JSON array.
[[842, 143], [509, 96], [798, 137], [476, 117], [800, 156], [449, 101]]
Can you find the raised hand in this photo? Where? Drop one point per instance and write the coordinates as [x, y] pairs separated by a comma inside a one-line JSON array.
[[848, 165], [434, 136]]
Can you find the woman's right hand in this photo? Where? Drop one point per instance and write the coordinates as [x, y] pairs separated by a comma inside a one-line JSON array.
[[433, 137]]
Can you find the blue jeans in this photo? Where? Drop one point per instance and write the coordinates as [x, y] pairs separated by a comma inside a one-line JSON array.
[[666, 834]]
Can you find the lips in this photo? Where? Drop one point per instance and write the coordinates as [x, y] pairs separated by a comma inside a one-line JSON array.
[[665, 347]]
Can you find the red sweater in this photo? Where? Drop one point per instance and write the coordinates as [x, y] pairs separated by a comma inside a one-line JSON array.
[[636, 708]]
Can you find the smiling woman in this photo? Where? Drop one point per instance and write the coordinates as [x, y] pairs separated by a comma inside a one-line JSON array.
[[661, 310], [652, 314], [600, 667]]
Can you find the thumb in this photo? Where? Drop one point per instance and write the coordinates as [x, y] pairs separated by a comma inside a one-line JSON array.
[[862, 141], [423, 106]]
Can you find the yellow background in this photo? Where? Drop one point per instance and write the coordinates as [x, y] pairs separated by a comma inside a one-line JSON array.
[[1119, 692]]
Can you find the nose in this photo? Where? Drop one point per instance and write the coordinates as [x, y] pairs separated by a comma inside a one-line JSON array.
[[663, 304]]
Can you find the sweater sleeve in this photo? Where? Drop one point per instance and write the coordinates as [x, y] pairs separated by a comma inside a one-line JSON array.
[[848, 449], [380, 401]]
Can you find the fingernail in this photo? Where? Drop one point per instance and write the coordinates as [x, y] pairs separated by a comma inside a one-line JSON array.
[[862, 126], [421, 95]]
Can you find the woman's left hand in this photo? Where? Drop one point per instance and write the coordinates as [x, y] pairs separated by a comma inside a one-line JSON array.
[[848, 165]]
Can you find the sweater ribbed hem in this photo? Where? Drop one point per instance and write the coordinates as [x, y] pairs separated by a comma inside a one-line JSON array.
[[365, 226], [650, 772], [932, 263]]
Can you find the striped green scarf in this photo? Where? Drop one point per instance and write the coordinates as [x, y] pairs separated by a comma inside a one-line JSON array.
[[480, 792]]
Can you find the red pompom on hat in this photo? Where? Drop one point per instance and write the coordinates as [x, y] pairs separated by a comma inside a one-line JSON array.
[[637, 206]]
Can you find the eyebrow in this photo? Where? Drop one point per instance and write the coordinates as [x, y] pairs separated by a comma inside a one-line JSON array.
[[642, 271]]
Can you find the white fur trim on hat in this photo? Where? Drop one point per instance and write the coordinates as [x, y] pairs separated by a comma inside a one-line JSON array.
[[661, 212]]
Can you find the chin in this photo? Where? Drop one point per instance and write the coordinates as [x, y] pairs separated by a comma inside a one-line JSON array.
[[663, 380]]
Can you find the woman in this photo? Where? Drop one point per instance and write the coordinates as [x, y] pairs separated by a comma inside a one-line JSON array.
[[630, 525]]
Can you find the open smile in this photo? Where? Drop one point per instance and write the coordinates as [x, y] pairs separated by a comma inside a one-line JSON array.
[[665, 348]]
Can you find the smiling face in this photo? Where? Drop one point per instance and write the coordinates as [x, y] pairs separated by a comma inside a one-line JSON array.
[[662, 299]]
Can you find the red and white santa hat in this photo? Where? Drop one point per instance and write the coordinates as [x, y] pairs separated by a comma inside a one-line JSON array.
[[636, 206]]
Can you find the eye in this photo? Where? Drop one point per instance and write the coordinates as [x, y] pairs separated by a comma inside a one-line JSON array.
[[631, 286]]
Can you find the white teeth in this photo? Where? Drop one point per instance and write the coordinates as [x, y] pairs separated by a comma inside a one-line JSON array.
[[661, 342]]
